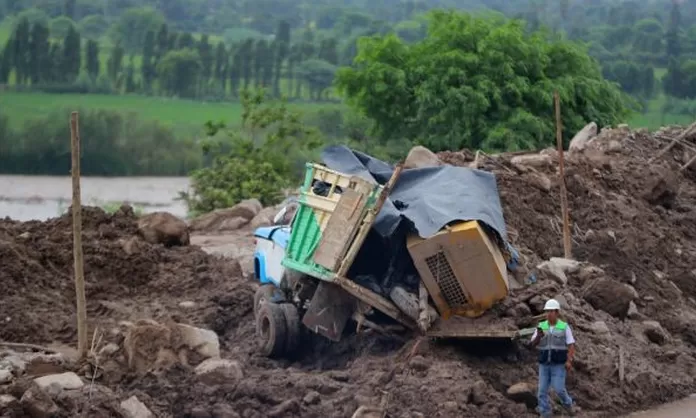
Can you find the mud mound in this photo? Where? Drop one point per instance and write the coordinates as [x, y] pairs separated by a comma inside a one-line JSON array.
[[37, 303]]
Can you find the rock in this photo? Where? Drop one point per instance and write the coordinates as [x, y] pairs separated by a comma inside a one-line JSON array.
[[216, 371], [288, 407], [478, 393], [223, 410], [133, 408], [633, 291], [187, 304], [450, 406], [37, 403], [554, 271], [520, 310], [44, 364], [567, 265], [523, 393], [339, 375], [532, 160], [421, 157], [583, 137], [609, 296], [632, 311], [109, 350], [264, 218], [13, 363], [537, 303], [163, 228], [600, 328], [66, 381], [199, 412], [368, 412], [663, 189], [9, 403], [614, 146], [5, 376], [539, 180], [419, 363], [589, 272], [655, 333], [562, 301], [229, 219], [312, 398], [204, 341]]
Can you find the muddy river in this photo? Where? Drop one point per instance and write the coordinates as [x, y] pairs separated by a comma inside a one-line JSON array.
[[42, 197]]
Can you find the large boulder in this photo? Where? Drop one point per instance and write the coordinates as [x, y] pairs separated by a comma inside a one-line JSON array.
[[228, 219], [583, 137], [219, 371], [65, 381], [609, 296], [133, 408], [38, 404], [421, 157], [523, 392], [163, 228]]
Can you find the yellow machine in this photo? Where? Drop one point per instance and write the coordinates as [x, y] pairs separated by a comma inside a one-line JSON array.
[[462, 268]]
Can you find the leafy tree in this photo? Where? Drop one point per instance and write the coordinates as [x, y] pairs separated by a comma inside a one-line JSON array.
[[245, 58], [205, 51], [147, 68], [672, 41], [60, 27], [115, 63], [21, 51], [262, 158], [93, 27], [132, 26], [6, 61], [179, 72], [69, 9], [162, 42], [221, 64], [477, 83], [32, 15], [185, 40], [318, 76], [282, 50], [39, 53], [92, 59], [72, 55]]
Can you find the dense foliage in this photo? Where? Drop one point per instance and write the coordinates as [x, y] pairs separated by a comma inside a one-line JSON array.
[[258, 161], [126, 146], [477, 83]]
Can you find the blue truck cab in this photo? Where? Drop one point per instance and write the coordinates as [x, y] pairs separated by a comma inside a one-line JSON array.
[[268, 255]]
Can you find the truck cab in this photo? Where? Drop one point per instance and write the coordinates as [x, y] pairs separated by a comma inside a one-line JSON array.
[[271, 242]]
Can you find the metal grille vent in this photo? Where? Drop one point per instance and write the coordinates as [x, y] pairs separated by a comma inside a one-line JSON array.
[[446, 280]]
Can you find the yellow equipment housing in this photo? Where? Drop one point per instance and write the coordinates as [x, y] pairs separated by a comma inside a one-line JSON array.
[[463, 270]]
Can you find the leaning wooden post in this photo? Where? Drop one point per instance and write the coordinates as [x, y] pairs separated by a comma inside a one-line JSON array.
[[564, 194], [77, 238]]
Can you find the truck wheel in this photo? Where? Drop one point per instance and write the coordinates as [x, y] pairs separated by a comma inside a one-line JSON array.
[[406, 301], [292, 322], [263, 295], [271, 329]]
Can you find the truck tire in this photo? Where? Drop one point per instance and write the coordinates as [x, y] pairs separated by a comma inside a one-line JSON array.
[[263, 294], [406, 301], [292, 323], [271, 330]]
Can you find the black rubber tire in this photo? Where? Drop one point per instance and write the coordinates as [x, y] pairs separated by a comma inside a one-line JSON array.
[[406, 301], [271, 330], [292, 323], [263, 294]]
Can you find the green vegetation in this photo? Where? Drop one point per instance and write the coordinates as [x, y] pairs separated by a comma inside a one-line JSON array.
[[161, 69], [259, 160]]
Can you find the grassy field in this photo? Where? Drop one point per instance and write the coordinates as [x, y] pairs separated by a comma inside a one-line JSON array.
[[21, 107]]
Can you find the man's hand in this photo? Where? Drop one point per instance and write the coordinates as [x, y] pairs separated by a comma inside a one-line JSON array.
[[569, 365]]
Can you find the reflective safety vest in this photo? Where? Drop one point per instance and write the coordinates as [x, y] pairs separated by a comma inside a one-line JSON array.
[[552, 347]]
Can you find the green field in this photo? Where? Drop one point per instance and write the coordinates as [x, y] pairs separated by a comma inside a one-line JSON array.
[[21, 107]]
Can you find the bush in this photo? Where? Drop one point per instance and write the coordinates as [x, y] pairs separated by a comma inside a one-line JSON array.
[[259, 160], [113, 144]]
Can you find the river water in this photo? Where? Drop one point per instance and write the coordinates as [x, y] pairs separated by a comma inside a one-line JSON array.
[[41, 197]]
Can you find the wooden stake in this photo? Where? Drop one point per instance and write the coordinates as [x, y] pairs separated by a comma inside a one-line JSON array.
[[77, 238], [622, 366], [567, 253]]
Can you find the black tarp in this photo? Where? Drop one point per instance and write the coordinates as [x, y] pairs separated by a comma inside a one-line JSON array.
[[429, 198]]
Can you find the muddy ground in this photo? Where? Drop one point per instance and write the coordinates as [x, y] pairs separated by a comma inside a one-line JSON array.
[[634, 224]]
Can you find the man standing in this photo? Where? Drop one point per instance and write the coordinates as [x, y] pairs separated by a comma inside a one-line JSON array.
[[556, 345]]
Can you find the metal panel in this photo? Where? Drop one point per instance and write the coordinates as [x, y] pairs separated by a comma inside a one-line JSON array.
[[329, 311]]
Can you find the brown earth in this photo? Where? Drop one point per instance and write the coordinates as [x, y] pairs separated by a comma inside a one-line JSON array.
[[634, 222]]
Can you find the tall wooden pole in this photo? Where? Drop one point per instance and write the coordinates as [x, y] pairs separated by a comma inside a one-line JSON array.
[[77, 238], [567, 253]]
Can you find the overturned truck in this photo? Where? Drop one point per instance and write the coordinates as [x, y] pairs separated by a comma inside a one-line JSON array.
[[419, 249]]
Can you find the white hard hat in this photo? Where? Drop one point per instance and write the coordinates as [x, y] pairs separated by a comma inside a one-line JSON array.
[[552, 305]]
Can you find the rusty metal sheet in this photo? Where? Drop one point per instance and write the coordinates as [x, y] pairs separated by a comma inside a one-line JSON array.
[[329, 311]]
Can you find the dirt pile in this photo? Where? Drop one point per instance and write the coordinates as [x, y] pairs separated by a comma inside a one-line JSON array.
[[629, 298]]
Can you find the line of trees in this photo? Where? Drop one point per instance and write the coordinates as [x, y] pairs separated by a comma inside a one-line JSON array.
[[173, 64]]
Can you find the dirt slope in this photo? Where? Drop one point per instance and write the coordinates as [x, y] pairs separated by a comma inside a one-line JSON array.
[[633, 223]]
